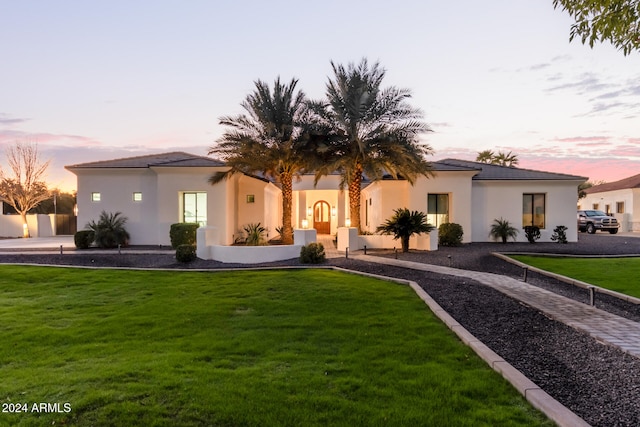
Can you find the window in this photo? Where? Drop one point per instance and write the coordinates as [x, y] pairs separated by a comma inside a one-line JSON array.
[[533, 210], [620, 207], [595, 206], [95, 197], [437, 209], [137, 196], [194, 207], [251, 198], [607, 209]]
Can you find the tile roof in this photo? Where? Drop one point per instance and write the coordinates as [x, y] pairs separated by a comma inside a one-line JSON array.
[[630, 182], [173, 159], [487, 172]]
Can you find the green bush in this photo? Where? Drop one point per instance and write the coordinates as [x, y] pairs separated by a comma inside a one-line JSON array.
[[560, 234], [313, 253], [183, 233], [83, 238], [450, 234], [186, 253], [532, 232]]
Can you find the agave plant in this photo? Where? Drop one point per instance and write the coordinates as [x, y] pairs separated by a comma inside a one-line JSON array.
[[404, 224], [255, 234], [502, 229], [109, 231]]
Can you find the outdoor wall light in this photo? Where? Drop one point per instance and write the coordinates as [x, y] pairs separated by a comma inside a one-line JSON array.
[[333, 211], [347, 222], [305, 224], [309, 211]]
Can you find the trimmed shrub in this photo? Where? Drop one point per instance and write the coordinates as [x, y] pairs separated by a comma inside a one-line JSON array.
[[186, 253], [559, 234], [450, 234], [83, 238], [313, 253], [532, 232], [183, 233]]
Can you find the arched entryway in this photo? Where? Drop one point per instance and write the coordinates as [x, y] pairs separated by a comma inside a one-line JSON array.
[[322, 217]]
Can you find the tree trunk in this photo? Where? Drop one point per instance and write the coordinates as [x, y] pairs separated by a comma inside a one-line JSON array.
[[286, 180], [405, 243], [25, 226], [354, 198]]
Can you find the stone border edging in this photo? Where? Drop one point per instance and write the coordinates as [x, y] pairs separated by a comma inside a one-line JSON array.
[[565, 279], [536, 396]]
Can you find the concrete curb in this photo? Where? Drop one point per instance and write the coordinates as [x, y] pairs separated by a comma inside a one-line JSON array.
[[505, 256], [538, 398]]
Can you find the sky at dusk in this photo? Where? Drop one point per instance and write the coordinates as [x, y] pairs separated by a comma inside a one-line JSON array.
[[100, 80]]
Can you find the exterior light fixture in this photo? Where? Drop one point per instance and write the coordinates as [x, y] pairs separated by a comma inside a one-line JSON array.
[[305, 224], [347, 222], [309, 211], [333, 211]]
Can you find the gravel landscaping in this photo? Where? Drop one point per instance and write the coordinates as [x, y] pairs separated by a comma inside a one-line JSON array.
[[598, 382]]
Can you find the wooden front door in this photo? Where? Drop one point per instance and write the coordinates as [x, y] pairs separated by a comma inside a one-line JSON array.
[[322, 217]]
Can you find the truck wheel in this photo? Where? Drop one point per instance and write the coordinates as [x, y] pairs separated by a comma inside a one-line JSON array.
[[591, 229], [613, 231]]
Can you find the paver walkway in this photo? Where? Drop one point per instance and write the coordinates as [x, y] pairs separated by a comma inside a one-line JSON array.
[[603, 326]]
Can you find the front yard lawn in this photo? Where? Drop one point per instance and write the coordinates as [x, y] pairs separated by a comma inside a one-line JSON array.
[[251, 348], [617, 274]]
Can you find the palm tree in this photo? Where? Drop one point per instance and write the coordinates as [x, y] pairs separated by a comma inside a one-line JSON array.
[[266, 139], [502, 229], [109, 231], [404, 224], [485, 156], [369, 131], [505, 159]]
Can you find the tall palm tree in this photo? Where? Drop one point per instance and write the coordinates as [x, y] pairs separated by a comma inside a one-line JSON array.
[[266, 139], [370, 131], [485, 156], [505, 159]]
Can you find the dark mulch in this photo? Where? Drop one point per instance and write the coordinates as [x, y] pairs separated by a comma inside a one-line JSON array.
[[598, 382]]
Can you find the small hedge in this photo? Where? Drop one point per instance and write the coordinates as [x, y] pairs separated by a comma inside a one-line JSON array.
[[450, 234], [186, 253], [313, 253], [183, 233], [532, 232], [83, 238]]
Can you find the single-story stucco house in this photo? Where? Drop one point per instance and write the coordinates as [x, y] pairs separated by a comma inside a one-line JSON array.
[[155, 191], [620, 199]]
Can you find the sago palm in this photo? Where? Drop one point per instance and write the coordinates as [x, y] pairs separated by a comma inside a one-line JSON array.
[[266, 139], [503, 230], [404, 224], [370, 131]]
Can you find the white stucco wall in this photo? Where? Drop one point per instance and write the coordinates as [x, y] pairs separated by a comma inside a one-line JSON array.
[[630, 218], [116, 190], [149, 220], [458, 186], [503, 199]]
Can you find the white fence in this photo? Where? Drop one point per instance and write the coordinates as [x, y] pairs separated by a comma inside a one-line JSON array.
[[39, 225]]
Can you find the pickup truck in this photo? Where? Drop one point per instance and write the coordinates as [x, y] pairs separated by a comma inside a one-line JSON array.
[[592, 220]]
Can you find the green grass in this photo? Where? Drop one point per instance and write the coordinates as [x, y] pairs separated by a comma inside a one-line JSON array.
[[311, 347], [616, 274]]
